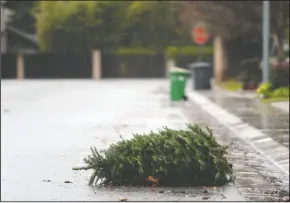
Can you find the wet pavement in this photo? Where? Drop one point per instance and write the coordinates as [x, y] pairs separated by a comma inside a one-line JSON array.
[[271, 121], [213, 102], [48, 126], [284, 106], [256, 178]]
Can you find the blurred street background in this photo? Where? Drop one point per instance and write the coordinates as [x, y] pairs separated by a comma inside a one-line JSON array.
[[76, 74]]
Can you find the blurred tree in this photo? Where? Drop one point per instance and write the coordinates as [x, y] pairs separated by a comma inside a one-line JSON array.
[[156, 24], [234, 19], [77, 26]]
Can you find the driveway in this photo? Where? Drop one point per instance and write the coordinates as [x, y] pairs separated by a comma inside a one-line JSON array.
[[47, 127]]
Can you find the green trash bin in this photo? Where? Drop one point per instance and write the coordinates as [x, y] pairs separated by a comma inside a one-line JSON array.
[[178, 79]]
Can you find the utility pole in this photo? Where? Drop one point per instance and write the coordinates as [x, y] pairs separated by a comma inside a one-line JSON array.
[[266, 38]]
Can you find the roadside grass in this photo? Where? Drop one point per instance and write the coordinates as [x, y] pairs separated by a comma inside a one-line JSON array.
[[231, 85], [267, 95]]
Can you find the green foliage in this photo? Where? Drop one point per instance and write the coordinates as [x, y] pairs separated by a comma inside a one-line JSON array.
[[280, 92], [78, 26], [231, 85], [173, 51], [64, 26], [132, 51], [155, 24], [174, 157], [136, 9], [264, 90]]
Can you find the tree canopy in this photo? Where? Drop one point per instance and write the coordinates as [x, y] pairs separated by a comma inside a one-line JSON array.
[[77, 26], [64, 26]]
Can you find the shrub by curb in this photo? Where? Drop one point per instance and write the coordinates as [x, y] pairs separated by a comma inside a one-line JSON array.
[[266, 91], [190, 157]]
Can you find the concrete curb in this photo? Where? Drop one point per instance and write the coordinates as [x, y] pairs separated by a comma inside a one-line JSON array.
[[276, 153]]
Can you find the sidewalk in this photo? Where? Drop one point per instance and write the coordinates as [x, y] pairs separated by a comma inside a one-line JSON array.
[[256, 177], [264, 127], [284, 106], [273, 120]]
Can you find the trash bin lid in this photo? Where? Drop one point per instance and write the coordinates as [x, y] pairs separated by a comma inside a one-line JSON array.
[[199, 64], [178, 70]]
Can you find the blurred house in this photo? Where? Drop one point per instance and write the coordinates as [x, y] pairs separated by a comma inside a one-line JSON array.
[[13, 39]]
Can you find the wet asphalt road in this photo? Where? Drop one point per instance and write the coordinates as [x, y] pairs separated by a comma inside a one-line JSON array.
[[48, 126]]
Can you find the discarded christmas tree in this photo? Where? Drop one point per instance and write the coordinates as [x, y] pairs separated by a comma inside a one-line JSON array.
[[188, 157]]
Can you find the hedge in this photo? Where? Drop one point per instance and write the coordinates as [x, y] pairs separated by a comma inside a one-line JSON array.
[[170, 52]]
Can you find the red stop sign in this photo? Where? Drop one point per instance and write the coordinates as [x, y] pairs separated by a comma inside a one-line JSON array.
[[200, 39], [200, 35]]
